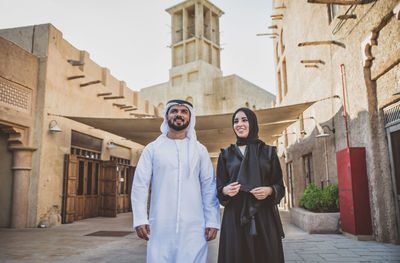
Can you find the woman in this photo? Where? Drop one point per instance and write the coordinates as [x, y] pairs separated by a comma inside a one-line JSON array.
[[249, 184]]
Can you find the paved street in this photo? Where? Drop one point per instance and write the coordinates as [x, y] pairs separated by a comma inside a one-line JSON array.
[[69, 243]]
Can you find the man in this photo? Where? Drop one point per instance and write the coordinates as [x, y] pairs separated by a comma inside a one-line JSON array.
[[184, 210]]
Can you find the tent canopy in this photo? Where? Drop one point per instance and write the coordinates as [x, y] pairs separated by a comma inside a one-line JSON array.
[[214, 131]]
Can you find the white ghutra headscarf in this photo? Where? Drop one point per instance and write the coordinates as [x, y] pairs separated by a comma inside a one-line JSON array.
[[190, 132]]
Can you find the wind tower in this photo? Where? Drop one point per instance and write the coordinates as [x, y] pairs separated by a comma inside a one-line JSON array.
[[195, 47]]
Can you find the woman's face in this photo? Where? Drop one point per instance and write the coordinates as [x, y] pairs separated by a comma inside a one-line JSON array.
[[241, 125]]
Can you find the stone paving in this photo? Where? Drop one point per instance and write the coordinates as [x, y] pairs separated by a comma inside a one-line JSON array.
[[69, 244]]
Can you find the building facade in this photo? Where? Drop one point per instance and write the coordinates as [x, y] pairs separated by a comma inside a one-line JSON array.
[[196, 74], [346, 57], [54, 169]]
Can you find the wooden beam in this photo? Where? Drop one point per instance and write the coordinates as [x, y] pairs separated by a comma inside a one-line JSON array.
[[113, 97], [267, 34], [126, 107], [76, 77], [273, 27], [76, 62], [311, 66], [344, 17], [316, 43], [142, 115], [315, 61], [118, 105], [131, 109], [104, 94], [341, 2], [90, 83]]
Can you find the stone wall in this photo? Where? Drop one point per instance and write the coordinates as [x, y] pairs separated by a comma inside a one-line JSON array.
[[356, 60]]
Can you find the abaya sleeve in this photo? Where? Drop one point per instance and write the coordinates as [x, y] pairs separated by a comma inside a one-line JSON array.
[[222, 180], [277, 180]]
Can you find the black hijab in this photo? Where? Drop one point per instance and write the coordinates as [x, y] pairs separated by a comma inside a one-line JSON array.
[[249, 176], [250, 164]]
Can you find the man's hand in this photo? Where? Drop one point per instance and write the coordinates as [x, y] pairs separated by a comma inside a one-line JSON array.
[[262, 192], [231, 189], [211, 233], [142, 231]]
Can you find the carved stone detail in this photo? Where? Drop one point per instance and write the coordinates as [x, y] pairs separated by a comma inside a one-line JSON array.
[[371, 40], [16, 136]]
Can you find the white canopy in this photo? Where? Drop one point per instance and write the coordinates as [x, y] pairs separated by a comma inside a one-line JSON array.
[[214, 131]]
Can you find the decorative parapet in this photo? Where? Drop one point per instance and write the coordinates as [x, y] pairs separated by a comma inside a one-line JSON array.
[[366, 49], [371, 40]]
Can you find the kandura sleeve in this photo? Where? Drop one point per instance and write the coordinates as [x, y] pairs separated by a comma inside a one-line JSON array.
[[208, 190], [222, 181], [140, 187]]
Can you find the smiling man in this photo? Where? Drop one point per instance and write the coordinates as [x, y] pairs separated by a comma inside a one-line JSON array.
[[184, 210]]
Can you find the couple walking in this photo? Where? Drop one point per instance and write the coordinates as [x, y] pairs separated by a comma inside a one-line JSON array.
[[184, 207]]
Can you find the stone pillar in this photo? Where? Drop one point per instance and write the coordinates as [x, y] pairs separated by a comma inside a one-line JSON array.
[[22, 166]]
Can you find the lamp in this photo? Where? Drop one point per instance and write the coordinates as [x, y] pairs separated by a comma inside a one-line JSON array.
[[110, 145], [53, 127]]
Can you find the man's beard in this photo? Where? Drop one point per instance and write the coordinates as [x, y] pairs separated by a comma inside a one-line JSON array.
[[176, 127]]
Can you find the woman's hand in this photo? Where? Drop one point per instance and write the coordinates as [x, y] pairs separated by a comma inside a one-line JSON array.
[[231, 189], [262, 192]]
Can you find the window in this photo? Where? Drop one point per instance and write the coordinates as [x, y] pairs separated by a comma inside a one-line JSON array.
[[90, 154], [96, 179], [308, 169], [279, 86], [80, 177], [189, 99], [120, 160], [333, 10], [160, 108], [281, 41], [89, 179], [123, 174], [122, 181], [285, 88]]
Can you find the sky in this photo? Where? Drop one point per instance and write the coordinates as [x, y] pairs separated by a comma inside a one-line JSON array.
[[131, 37]]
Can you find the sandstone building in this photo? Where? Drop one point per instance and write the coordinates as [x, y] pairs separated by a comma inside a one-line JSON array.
[[346, 57], [196, 74], [52, 166]]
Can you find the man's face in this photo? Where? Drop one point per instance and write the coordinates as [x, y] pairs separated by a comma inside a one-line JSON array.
[[178, 117]]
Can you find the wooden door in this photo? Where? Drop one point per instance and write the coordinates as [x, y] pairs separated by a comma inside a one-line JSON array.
[[69, 188], [125, 178], [80, 191], [91, 188], [108, 189], [131, 173]]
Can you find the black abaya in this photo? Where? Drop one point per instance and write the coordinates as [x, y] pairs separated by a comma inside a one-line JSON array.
[[237, 245]]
